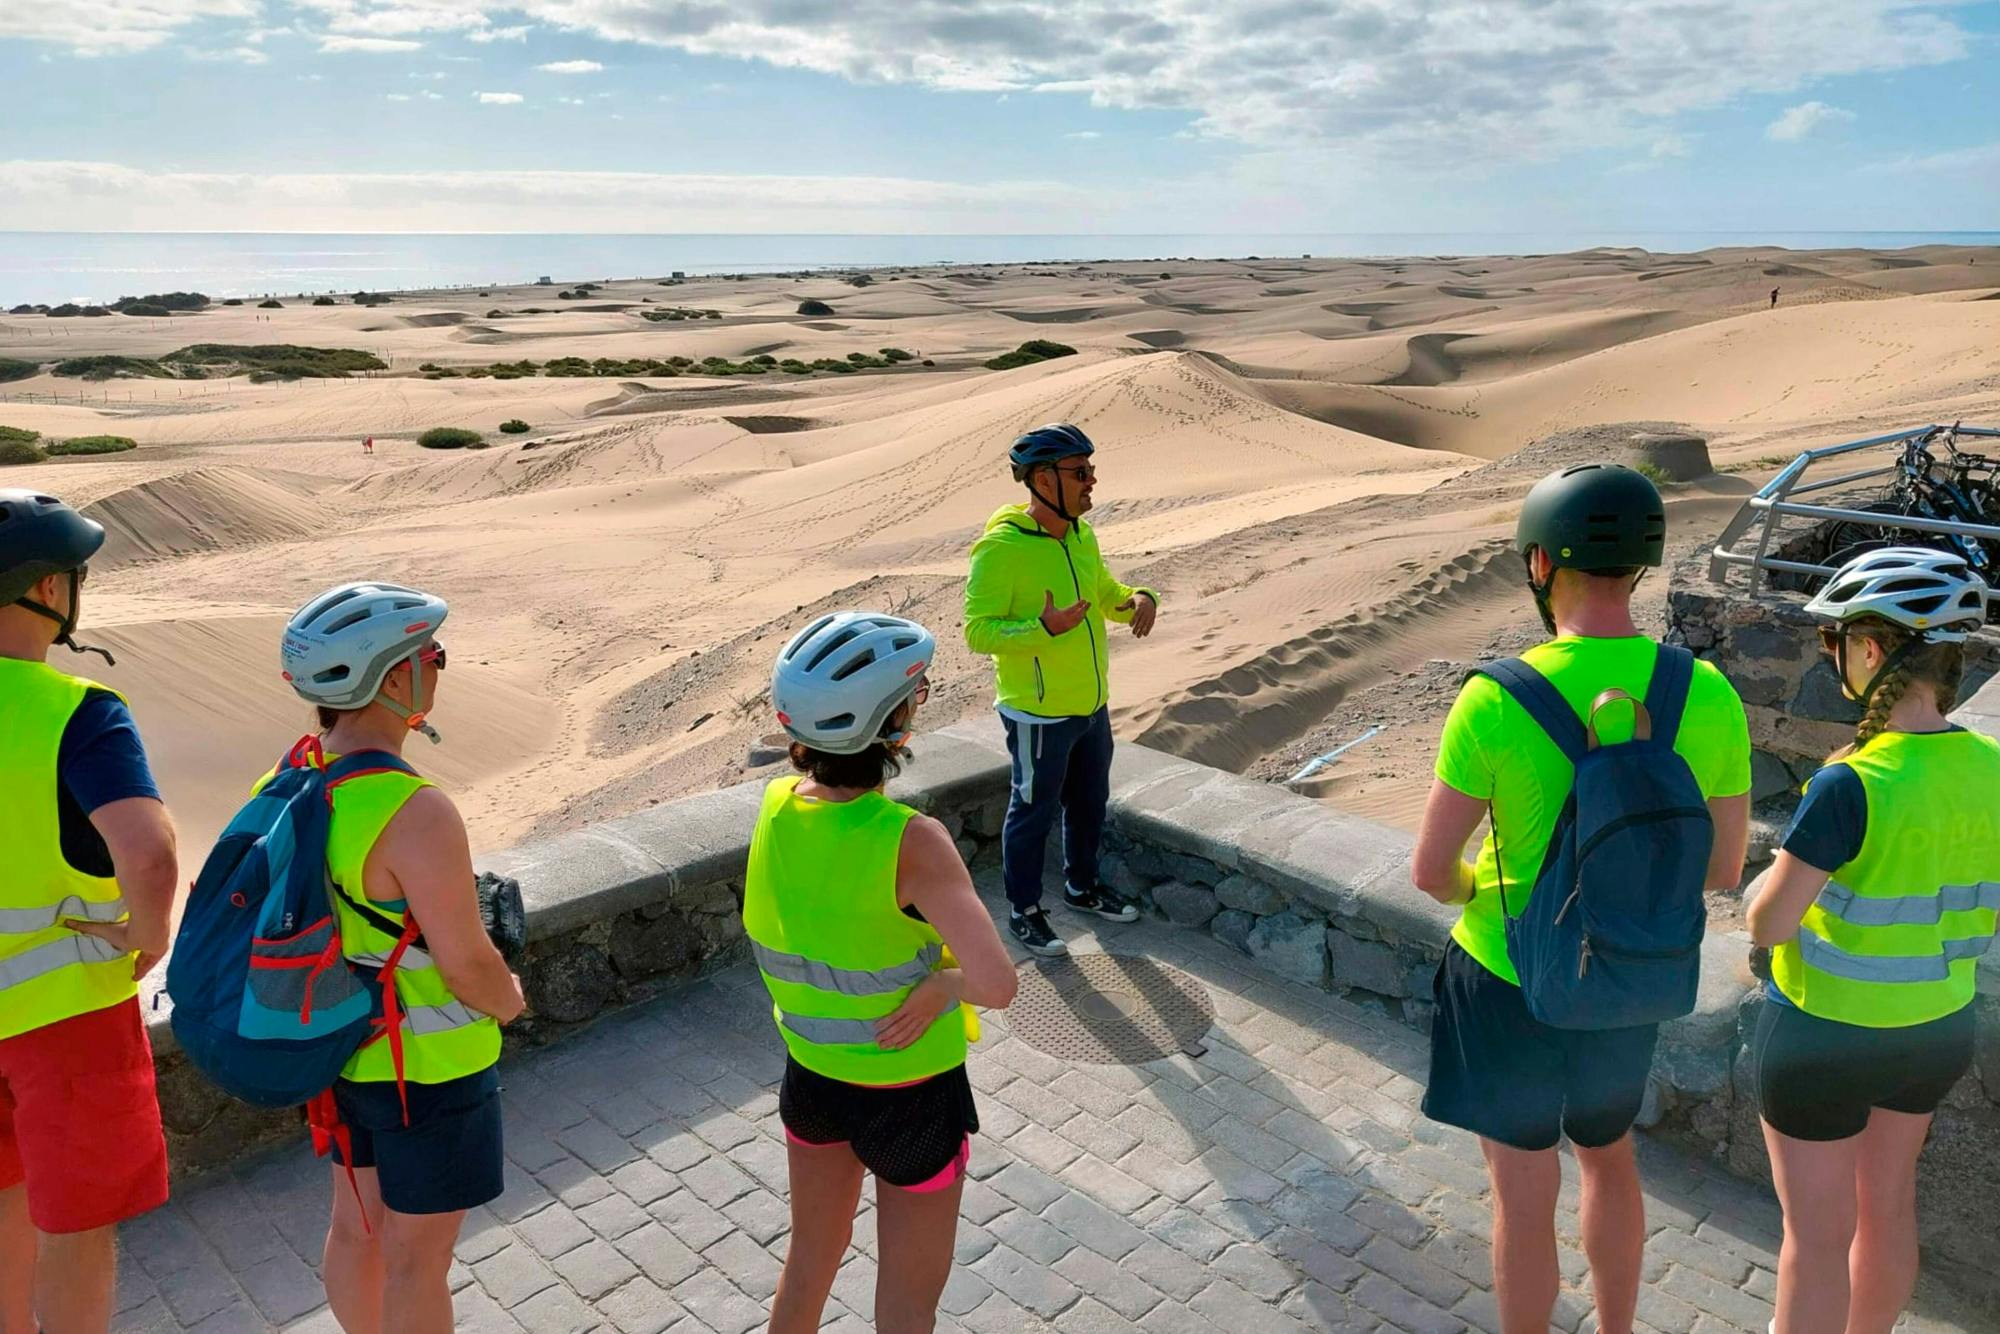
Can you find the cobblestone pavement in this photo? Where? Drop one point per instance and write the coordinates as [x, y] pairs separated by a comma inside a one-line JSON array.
[[1281, 1181]]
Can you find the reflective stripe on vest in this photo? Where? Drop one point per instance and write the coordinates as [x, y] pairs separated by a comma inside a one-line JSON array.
[[62, 952], [847, 981], [21, 921], [1837, 900], [853, 1032], [48, 973], [1830, 958]]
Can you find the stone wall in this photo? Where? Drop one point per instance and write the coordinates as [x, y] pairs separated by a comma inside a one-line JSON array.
[[1304, 892]]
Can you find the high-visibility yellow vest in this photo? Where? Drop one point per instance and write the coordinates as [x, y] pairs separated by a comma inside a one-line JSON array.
[[441, 1038], [1895, 937], [48, 973], [836, 952]]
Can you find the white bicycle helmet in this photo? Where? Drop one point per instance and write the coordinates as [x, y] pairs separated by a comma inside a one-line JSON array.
[[339, 646], [1934, 593], [841, 677]]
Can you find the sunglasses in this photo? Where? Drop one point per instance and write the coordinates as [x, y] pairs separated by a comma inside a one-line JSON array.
[[923, 691], [432, 655], [1083, 473]]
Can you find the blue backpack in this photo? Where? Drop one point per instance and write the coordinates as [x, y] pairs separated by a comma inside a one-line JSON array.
[[1611, 935], [265, 1004]]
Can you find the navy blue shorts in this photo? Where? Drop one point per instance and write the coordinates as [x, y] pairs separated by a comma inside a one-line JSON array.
[[1501, 1073], [447, 1159]]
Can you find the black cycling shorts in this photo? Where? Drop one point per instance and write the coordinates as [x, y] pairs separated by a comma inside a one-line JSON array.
[[917, 1136], [1818, 1079], [1501, 1073]]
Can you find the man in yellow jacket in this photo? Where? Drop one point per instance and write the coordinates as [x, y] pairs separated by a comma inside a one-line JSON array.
[[1036, 601], [86, 900]]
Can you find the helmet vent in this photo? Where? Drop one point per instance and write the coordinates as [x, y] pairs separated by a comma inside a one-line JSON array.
[[846, 636], [853, 665]]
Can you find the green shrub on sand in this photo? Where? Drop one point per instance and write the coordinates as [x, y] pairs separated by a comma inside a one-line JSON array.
[[895, 354], [278, 361], [144, 308], [19, 434], [110, 368], [14, 369], [815, 308], [272, 304], [514, 427], [20, 451], [91, 444], [1030, 352], [450, 437], [324, 301]]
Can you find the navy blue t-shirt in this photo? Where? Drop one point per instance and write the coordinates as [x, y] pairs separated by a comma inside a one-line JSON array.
[[1828, 828], [101, 760]]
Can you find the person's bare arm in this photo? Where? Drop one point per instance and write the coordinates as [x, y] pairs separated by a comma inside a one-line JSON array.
[[139, 834], [931, 877], [1438, 866], [424, 851], [1788, 891], [1732, 840]]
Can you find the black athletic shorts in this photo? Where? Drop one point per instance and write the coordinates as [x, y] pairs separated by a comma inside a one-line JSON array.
[[1818, 1079], [1501, 1073], [447, 1158], [917, 1136]]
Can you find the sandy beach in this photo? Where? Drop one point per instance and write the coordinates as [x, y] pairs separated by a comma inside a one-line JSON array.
[[1300, 453]]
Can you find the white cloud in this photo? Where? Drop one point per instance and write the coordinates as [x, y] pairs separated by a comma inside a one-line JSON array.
[[513, 34], [499, 99], [337, 44], [570, 101], [107, 27], [1975, 164], [1799, 121], [40, 195], [571, 67], [397, 97], [235, 55], [430, 96], [1083, 134], [1671, 146]]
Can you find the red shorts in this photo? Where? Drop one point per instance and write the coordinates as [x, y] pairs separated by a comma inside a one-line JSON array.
[[80, 1122]]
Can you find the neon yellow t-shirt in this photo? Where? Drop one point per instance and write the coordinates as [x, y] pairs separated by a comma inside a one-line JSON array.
[[1493, 751]]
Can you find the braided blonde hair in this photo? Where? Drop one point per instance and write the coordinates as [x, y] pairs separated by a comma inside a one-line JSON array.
[[1939, 666]]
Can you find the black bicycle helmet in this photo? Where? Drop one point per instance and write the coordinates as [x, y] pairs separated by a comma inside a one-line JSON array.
[[1595, 516], [1048, 444], [40, 536]]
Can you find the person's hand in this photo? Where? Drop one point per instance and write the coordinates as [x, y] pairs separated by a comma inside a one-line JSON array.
[[520, 1002], [1760, 963], [1143, 610], [919, 1010], [1061, 620], [148, 944]]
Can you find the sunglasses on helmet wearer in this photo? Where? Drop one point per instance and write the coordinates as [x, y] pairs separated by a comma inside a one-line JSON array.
[[432, 655], [1083, 472]]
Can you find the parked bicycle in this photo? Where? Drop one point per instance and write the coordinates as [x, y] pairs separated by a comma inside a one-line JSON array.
[[1962, 486]]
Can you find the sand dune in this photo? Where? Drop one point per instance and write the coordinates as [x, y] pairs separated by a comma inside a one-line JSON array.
[[1289, 449]]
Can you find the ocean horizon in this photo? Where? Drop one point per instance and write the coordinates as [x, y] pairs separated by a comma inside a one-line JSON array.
[[51, 267]]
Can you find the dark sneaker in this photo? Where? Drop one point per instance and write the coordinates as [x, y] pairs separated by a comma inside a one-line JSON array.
[[1031, 928], [1102, 902]]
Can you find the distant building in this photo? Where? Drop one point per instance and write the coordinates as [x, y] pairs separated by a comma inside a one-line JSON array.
[[680, 273], [545, 281]]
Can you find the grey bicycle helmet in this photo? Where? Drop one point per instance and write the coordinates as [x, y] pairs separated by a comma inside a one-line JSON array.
[[338, 647], [838, 681], [1933, 593]]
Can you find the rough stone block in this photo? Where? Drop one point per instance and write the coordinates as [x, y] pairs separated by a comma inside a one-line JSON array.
[[571, 983], [1232, 927], [1291, 946], [1252, 896], [1695, 1051], [648, 947], [1820, 696], [1369, 965], [1186, 905]]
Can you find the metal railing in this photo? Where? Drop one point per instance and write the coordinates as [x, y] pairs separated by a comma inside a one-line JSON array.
[[1756, 525]]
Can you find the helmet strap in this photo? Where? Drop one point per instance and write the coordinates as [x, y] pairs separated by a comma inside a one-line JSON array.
[[1889, 664], [1055, 504], [414, 715], [1541, 590], [66, 634]]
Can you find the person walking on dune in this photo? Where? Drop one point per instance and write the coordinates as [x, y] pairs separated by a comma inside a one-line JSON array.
[[1515, 746], [86, 902], [368, 447], [1774, 298], [1036, 602]]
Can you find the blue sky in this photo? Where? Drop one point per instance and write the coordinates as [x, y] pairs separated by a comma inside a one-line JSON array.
[[998, 115]]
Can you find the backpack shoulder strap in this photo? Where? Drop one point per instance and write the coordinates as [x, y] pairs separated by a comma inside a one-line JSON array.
[[1544, 703], [1667, 692], [364, 762]]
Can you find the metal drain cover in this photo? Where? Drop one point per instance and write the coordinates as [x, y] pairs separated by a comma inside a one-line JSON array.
[[1109, 1009]]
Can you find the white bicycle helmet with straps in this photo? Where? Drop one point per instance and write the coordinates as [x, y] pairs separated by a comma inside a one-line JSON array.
[[1934, 594], [338, 647], [839, 679]]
